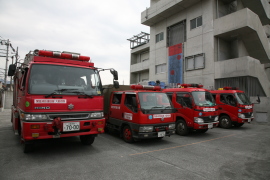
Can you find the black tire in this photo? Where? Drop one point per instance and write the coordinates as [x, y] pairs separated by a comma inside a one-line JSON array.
[[225, 122], [202, 130], [181, 128], [238, 124], [127, 134], [27, 147], [87, 139]]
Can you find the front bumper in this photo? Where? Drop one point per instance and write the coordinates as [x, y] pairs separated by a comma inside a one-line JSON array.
[[205, 125], [47, 130], [149, 135], [245, 120]]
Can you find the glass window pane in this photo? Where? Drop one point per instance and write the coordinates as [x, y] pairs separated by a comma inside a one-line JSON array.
[[199, 21], [199, 61], [190, 63], [193, 24]]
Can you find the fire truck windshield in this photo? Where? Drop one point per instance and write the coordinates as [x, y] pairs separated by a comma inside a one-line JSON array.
[[66, 80], [203, 98], [242, 98], [154, 100]]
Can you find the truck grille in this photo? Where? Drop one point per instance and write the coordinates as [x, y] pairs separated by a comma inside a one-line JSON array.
[[70, 116], [248, 115], [209, 119], [161, 128]]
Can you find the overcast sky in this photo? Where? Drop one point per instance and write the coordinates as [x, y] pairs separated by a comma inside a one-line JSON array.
[[98, 29]]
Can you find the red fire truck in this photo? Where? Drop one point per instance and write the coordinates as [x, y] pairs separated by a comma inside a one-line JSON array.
[[142, 112], [196, 108], [57, 95], [235, 107]]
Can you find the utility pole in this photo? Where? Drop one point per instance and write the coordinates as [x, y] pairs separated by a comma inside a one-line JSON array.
[[5, 80]]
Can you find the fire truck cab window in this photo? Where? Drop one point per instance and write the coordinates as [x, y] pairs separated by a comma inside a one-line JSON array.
[[65, 80], [184, 99], [117, 98], [130, 102], [228, 99]]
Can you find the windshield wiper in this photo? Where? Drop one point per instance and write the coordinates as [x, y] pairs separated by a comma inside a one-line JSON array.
[[58, 90], [82, 93], [156, 107]]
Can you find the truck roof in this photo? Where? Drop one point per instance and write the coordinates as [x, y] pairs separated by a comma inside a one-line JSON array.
[[226, 91], [184, 89]]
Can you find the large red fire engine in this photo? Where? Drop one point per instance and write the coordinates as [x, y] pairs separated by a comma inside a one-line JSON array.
[[196, 108], [235, 107], [57, 95], [139, 112]]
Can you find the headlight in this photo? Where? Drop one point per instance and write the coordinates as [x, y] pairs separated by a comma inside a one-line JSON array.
[[172, 126], [96, 115], [241, 115], [34, 117], [198, 120], [216, 118], [146, 129]]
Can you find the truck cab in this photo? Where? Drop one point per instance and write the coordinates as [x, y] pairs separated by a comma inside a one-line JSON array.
[[196, 108], [56, 94], [235, 108], [142, 112]]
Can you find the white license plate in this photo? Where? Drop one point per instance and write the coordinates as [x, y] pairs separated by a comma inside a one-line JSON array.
[[249, 120], [71, 126], [161, 134], [210, 126]]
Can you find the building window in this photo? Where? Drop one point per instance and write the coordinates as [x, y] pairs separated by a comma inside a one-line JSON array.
[[159, 37], [160, 68], [176, 34], [195, 62], [144, 56], [196, 22]]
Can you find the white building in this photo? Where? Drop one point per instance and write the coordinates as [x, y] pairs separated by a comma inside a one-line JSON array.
[[216, 43]]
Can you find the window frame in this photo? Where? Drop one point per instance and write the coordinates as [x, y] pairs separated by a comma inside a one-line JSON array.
[[194, 62], [196, 22], [159, 37], [164, 65]]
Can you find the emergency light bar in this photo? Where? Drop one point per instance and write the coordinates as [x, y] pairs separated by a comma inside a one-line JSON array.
[[230, 88], [61, 55], [191, 85], [145, 87]]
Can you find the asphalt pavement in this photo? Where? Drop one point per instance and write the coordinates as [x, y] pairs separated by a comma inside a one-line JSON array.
[[237, 153]]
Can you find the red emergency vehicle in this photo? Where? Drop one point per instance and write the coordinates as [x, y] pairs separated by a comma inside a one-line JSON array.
[[57, 95], [142, 112], [196, 108], [235, 107]]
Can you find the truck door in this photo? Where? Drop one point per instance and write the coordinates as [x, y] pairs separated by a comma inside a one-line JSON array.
[[115, 109], [184, 100], [229, 104], [130, 107]]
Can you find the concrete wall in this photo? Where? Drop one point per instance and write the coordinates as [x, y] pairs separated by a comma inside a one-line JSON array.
[[261, 111]]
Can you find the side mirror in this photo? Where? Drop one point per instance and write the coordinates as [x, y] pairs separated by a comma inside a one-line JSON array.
[[258, 100], [114, 73], [11, 69], [116, 84]]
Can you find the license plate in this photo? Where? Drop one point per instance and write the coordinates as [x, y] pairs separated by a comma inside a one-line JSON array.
[[161, 134], [249, 120], [210, 126], [71, 126]]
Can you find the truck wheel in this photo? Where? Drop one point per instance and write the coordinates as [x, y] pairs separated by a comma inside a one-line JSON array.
[[202, 130], [181, 128], [238, 124], [225, 122], [127, 134], [87, 139], [27, 147]]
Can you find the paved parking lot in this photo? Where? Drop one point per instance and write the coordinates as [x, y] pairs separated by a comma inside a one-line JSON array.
[[237, 153]]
